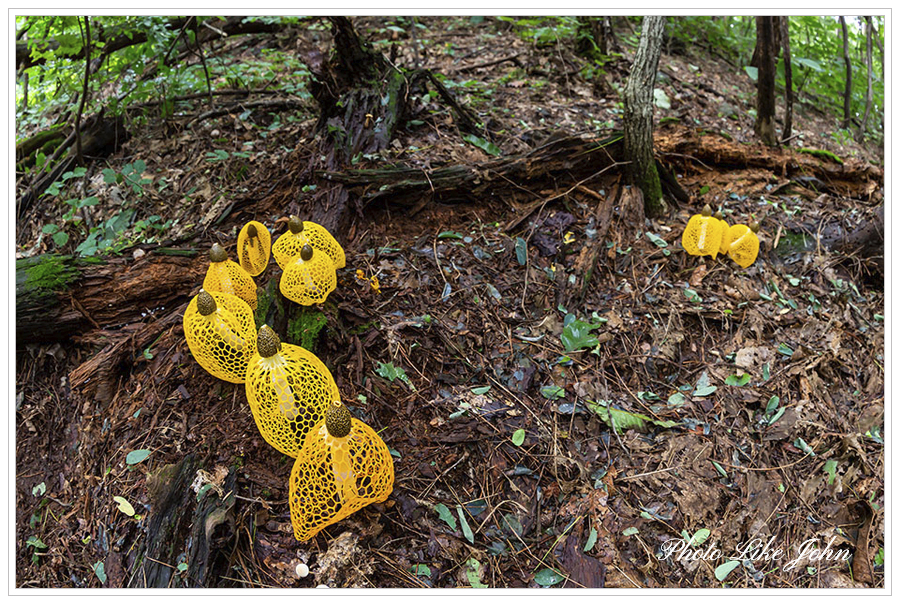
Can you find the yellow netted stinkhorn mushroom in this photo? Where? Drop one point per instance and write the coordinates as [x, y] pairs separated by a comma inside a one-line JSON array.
[[309, 278], [703, 234], [726, 239], [226, 276], [743, 246], [343, 466], [300, 233], [288, 389], [221, 334], [254, 245]]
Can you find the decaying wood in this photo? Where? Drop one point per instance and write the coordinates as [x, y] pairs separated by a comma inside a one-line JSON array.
[[714, 151], [362, 100], [170, 498], [119, 291], [571, 158]]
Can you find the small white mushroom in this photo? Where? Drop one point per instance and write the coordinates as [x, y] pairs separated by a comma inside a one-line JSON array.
[[302, 570]]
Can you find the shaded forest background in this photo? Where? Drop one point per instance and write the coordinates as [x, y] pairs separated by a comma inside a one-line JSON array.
[[562, 388]]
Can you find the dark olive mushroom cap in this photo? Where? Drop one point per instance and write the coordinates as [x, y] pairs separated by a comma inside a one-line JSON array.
[[754, 226], [267, 342], [706, 211], [337, 419], [295, 224], [251, 231], [306, 253], [206, 304], [719, 215], [217, 253]]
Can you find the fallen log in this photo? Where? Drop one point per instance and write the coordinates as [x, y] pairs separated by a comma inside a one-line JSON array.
[[567, 159], [847, 179], [59, 296]]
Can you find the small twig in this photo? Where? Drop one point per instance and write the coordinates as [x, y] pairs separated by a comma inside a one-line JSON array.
[[215, 29], [465, 68]]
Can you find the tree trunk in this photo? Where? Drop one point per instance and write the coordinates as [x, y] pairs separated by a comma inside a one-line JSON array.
[[865, 119], [848, 79], [788, 85], [765, 88], [638, 118]]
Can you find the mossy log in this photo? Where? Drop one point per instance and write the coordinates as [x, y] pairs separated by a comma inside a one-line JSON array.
[[59, 296]]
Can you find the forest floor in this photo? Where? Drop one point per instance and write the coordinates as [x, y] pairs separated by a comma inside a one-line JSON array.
[[475, 304]]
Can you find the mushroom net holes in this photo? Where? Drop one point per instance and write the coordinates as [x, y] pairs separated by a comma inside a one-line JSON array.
[[223, 341], [288, 394], [287, 247], [334, 477], [308, 282]]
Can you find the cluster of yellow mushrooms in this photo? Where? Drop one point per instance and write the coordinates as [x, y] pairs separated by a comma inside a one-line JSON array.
[[341, 464], [708, 235]]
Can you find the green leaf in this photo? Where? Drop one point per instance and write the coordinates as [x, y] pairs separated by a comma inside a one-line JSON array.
[[518, 437], [753, 72], [657, 240], [591, 540], [445, 515], [692, 296], [124, 507], [39, 489], [109, 177], [100, 571], [814, 65], [49, 229], [741, 379], [704, 189], [61, 238], [449, 235], [772, 405], [576, 335], [473, 573], [676, 400], [631, 530], [481, 390], [521, 251], [182, 566], [831, 470], [420, 570], [547, 577], [489, 148], [464, 524], [703, 387], [785, 349], [624, 420], [801, 444], [723, 570], [137, 456], [699, 537], [35, 543], [552, 392]]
